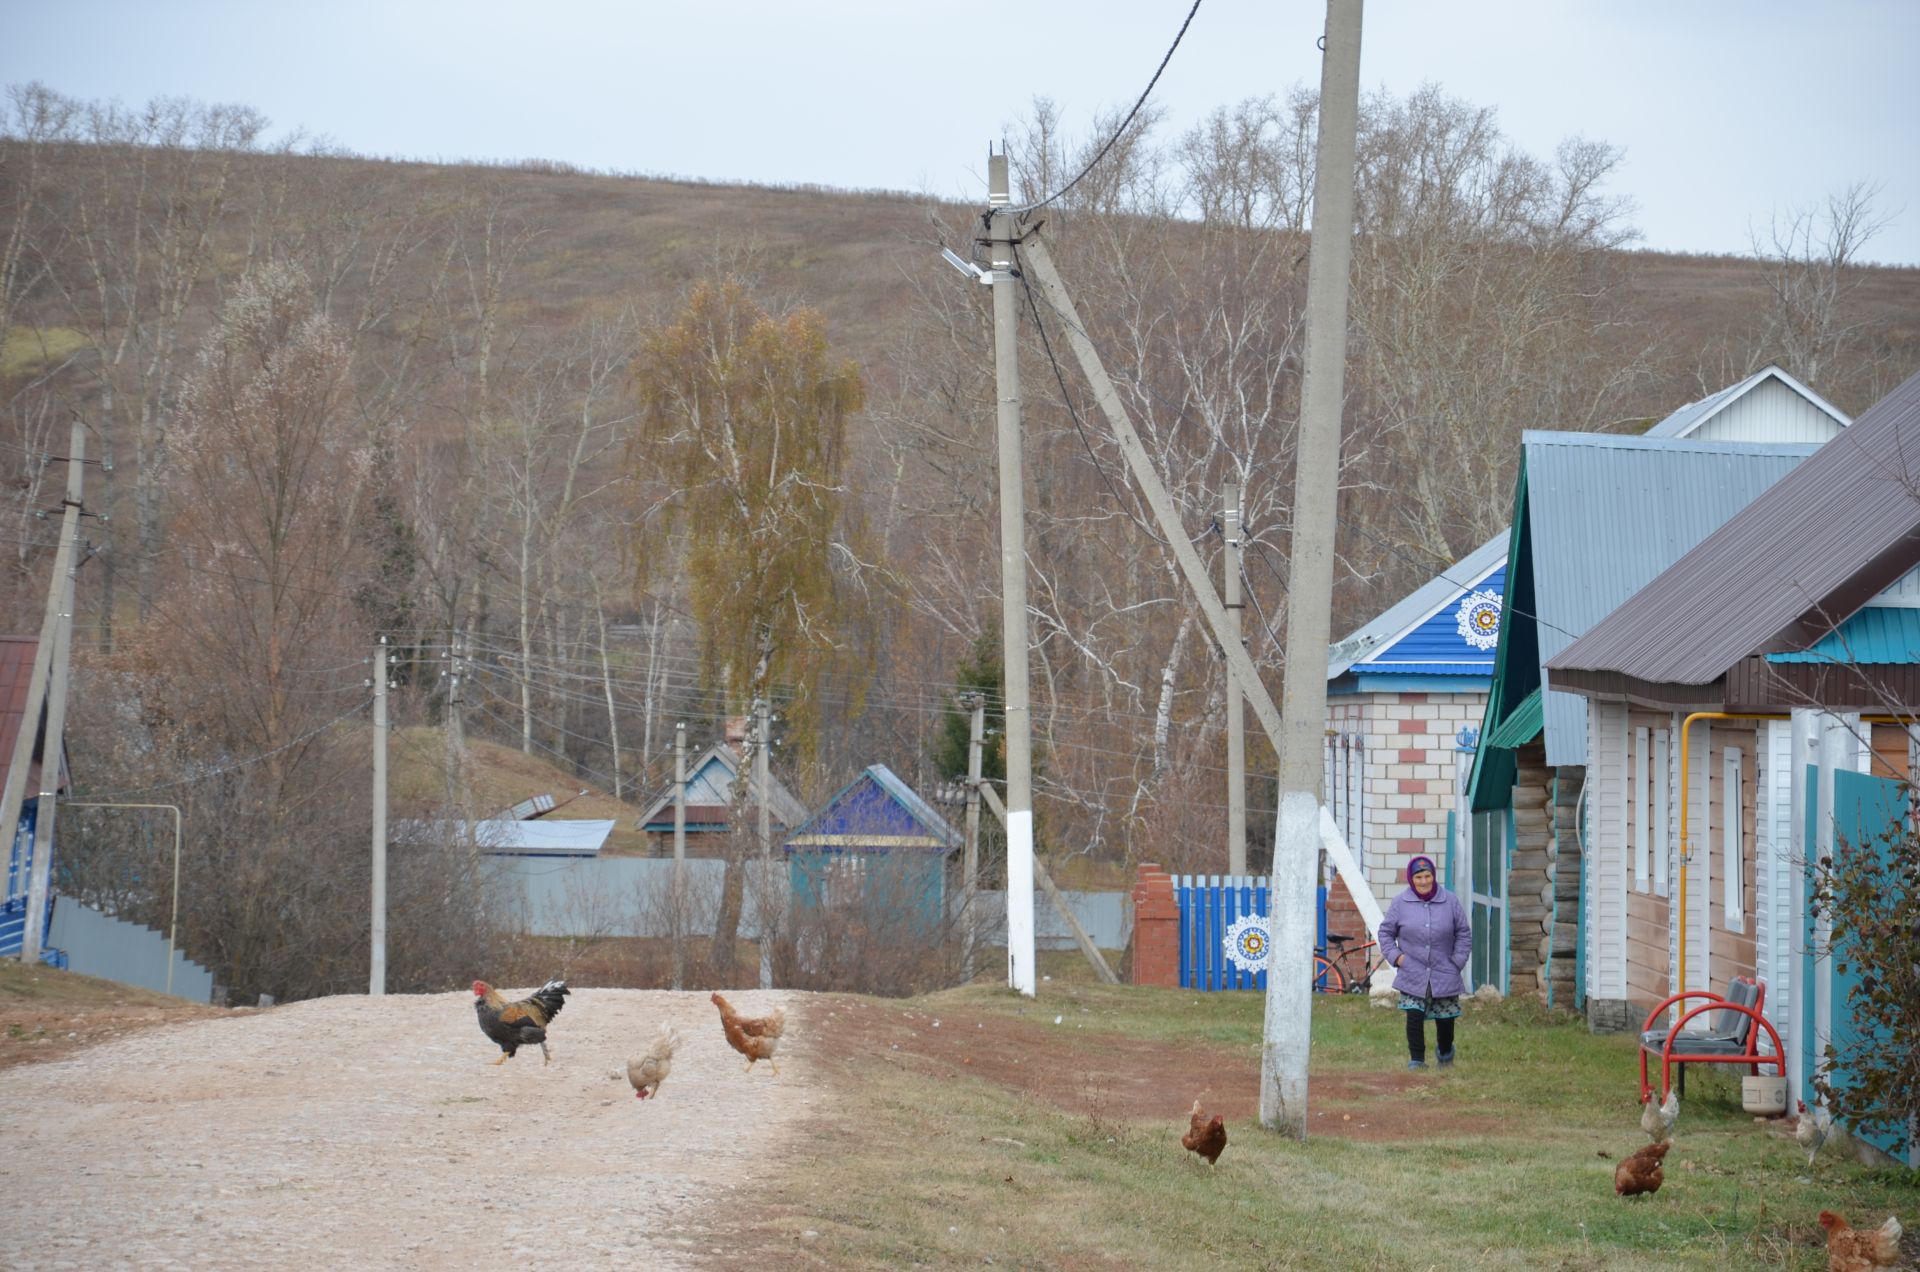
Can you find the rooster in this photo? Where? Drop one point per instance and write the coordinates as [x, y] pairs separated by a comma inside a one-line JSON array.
[[1851, 1249], [1657, 1119], [647, 1072], [519, 1024], [1641, 1172], [1813, 1129], [755, 1037], [1205, 1136]]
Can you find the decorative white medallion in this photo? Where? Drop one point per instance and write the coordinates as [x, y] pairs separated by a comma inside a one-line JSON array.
[[1479, 619], [1246, 943]]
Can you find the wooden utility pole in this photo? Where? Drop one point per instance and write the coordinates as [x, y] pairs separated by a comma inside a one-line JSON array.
[[48, 689], [976, 705], [1003, 232], [1287, 1037], [676, 918], [1236, 715], [761, 774], [377, 964]]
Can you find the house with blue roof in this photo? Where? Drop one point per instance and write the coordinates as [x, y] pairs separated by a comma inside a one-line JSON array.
[[711, 785], [875, 852], [1749, 710], [1408, 695]]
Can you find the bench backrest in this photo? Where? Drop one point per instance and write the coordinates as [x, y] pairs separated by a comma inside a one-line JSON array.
[[1744, 992]]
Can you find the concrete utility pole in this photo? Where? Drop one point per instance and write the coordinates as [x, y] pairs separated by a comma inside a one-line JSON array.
[[1236, 715], [1002, 233], [761, 776], [1287, 1038], [679, 847], [976, 705], [377, 968], [51, 660]]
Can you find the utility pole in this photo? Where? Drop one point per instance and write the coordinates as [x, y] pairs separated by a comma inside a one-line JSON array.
[[456, 730], [51, 660], [377, 964], [764, 743], [1236, 715], [1287, 1037], [976, 705], [679, 847], [1002, 233]]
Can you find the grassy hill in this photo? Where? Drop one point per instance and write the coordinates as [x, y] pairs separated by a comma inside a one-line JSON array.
[[500, 777]]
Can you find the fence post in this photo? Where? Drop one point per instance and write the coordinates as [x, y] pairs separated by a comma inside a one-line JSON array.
[[1156, 929]]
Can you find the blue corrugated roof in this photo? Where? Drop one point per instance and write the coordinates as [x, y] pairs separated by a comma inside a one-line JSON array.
[[1873, 637]]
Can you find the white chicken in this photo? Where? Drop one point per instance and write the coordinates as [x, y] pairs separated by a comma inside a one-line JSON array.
[[648, 1071], [1657, 1119], [1813, 1129]]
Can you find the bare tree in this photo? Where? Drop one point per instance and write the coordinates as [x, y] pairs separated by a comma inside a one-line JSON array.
[[1810, 259]]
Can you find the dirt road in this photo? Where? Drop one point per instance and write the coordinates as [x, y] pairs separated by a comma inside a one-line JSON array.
[[373, 1133]]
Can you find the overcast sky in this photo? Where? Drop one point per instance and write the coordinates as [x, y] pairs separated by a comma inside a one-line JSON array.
[[1729, 113]]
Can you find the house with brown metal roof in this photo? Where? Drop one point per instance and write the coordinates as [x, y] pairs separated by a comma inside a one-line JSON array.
[[1787, 638], [1408, 691]]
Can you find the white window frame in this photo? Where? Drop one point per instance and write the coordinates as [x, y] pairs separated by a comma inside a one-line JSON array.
[[1733, 872], [1662, 767], [1642, 812]]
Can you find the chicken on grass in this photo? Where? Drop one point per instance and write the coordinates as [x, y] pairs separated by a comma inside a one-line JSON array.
[[1640, 1174], [1657, 1119], [522, 1023], [1205, 1136], [755, 1037], [1851, 1249]]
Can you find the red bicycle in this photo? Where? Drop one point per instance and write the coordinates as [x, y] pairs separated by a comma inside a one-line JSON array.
[[1350, 969]]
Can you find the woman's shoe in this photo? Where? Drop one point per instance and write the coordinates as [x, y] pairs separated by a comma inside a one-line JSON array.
[[1416, 1064], [1446, 1060]]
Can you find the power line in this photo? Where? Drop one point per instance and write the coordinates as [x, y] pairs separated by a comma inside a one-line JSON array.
[[1122, 129]]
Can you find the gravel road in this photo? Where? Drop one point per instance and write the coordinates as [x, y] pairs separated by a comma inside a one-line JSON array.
[[374, 1133]]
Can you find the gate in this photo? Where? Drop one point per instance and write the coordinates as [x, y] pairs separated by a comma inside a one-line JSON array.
[[1224, 932]]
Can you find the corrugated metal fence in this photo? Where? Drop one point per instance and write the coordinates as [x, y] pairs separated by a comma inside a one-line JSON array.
[[96, 944]]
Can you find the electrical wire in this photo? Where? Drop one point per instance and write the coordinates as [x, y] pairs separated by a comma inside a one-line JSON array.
[[1121, 131]]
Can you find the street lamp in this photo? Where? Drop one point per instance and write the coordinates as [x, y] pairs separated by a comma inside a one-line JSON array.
[[173, 927]]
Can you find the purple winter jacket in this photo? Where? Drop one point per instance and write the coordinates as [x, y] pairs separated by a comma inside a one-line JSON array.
[[1434, 936]]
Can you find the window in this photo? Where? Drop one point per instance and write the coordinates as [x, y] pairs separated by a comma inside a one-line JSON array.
[[1733, 870], [1661, 864], [1642, 811]]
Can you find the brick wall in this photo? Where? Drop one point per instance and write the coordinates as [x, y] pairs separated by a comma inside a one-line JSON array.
[[1410, 750], [1156, 929]]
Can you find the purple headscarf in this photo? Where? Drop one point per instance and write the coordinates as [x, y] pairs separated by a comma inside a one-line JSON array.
[[1414, 867]]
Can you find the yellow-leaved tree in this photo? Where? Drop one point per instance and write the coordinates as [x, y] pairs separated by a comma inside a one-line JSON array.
[[745, 415]]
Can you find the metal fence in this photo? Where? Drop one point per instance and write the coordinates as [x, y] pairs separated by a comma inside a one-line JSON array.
[[97, 944]]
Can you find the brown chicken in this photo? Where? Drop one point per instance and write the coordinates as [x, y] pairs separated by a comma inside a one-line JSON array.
[[1205, 1136], [1641, 1172], [647, 1072], [1851, 1249], [755, 1037], [519, 1024]]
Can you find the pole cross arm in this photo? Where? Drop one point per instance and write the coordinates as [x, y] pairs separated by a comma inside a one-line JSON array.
[[1043, 274], [1045, 880]]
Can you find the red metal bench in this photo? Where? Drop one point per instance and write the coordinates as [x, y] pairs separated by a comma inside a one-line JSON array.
[[1732, 1037]]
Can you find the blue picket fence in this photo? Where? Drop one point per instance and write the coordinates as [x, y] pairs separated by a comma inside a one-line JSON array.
[[1217, 949]]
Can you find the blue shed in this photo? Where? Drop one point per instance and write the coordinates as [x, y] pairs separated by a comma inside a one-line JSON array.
[[874, 845]]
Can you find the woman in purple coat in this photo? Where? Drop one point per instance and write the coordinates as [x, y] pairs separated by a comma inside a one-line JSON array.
[[1427, 937]]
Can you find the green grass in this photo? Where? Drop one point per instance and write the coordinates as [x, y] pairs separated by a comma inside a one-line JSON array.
[[28, 348], [950, 1171]]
